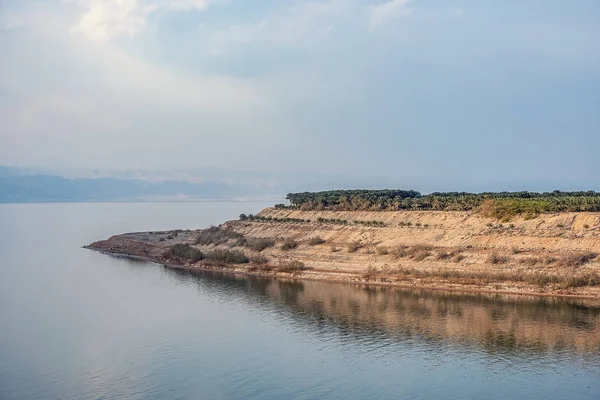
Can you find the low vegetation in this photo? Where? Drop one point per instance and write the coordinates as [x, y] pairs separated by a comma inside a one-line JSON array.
[[315, 241], [259, 244], [227, 256], [353, 247], [382, 250], [495, 259], [289, 244], [259, 218], [291, 266], [185, 251], [217, 235], [332, 221], [540, 278], [373, 223], [576, 260], [259, 259]]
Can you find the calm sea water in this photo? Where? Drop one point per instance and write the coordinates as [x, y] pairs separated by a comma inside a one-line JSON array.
[[76, 324]]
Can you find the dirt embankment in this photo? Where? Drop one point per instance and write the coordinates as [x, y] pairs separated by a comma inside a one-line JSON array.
[[553, 254]]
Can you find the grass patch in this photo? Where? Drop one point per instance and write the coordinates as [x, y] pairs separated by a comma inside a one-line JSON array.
[[531, 261], [420, 252], [291, 266], [421, 255], [457, 256], [496, 259], [315, 241], [216, 235], [370, 273], [259, 244], [259, 259], [228, 256], [382, 250], [289, 244], [588, 279], [185, 251], [353, 247], [400, 251], [576, 260], [537, 278]]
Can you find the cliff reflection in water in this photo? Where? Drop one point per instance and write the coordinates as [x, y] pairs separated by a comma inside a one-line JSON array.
[[496, 323]]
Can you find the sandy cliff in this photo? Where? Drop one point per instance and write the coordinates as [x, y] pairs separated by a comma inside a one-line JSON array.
[[554, 254]]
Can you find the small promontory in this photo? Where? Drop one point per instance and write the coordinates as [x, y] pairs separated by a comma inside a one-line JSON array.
[[525, 243]]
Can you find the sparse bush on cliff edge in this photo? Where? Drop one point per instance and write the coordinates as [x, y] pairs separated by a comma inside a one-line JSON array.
[[382, 250], [184, 250], [314, 241], [259, 259], [259, 244], [353, 247], [576, 260], [217, 235], [228, 256], [495, 259], [289, 244], [291, 266]]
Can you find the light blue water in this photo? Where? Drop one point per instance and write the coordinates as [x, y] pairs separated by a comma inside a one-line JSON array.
[[76, 324]]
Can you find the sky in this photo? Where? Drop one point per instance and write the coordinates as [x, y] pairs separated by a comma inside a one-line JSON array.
[[445, 91]]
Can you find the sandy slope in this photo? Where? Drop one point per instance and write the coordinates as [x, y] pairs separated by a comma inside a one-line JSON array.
[[525, 248]]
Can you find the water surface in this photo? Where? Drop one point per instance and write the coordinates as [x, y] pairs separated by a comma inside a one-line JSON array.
[[76, 324]]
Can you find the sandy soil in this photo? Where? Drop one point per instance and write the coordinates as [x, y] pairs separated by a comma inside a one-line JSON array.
[[442, 250]]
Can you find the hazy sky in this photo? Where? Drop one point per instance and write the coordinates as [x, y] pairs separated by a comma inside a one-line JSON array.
[[452, 89]]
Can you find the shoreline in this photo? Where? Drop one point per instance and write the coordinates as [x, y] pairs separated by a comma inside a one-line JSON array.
[[355, 280], [555, 255]]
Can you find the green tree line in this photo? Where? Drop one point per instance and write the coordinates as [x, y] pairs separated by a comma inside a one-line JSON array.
[[496, 203]]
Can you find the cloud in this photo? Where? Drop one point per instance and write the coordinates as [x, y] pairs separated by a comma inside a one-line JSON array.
[[385, 12], [299, 25], [186, 5], [10, 22], [107, 19], [237, 33]]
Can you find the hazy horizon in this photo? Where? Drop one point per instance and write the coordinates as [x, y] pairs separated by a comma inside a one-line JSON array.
[[429, 95]]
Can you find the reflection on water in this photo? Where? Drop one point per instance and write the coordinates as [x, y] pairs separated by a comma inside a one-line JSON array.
[[511, 325], [77, 324]]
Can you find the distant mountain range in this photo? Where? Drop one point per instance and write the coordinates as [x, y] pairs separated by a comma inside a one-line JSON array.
[[28, 185], [22, 186]]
